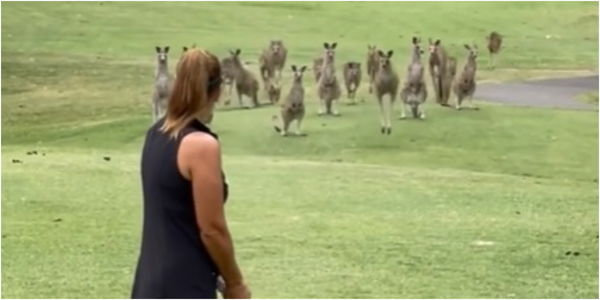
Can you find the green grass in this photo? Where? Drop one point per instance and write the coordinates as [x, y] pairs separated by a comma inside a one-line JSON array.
[[465, 204], [591, 97]]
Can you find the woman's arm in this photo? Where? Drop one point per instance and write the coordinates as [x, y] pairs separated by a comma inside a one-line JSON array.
[[199, 159]]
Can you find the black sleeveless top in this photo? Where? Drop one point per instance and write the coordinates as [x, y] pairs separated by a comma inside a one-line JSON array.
[[173, 261]]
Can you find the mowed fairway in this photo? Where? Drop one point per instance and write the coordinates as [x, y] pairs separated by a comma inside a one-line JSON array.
[[501, 202]]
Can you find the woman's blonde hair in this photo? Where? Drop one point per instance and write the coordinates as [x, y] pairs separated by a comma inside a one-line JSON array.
[[198, 77]]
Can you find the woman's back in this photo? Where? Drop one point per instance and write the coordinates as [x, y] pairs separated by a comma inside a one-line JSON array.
[[173, 262]]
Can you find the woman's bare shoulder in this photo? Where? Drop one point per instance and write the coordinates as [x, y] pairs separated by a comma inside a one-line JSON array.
[[199, 143], [198, 150]]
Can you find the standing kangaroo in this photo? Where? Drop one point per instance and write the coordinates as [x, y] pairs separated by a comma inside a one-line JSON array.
[[272, 61], [273, 91], [464, 87], [447, 80], [386, 82], [414, 93], [494, 44], [372, 64], [228, 76], [352, 74], [162, 84], [317, 68], [329, 88], [440, 73], [245, 81], [293, 108]]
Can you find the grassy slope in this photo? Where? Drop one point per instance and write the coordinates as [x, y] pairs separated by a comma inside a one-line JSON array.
[[342, 213]]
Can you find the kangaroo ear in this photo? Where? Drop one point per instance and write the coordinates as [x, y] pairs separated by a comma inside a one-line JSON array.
[[167, 49], [157, 49], [380, 53], [437, 43], [415, 40], [185, 48], [232, 52], [467, 47], [326, 45], [294, 68], [238, 51], [333, 45], [303, 69], [390, 53]]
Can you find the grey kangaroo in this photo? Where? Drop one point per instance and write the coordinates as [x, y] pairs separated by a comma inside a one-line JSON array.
[[352, 74], [386, 82], [439, 71], [329, 88], [245, 82], [228, 78], [414, 92], [293, 107], [272, 61], [494, 44], [372, 65], [162, 84], [464, 87]]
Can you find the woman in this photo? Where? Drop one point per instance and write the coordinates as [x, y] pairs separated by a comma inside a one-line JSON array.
[[185, 243]]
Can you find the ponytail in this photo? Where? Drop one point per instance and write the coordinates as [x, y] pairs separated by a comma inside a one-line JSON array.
[[198, 76]]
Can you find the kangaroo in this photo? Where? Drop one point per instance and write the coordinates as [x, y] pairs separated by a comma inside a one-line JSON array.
[[245, 81], [464, 87], [228, 76], [184, 49], [447, 81], [273, 91], [386, 82], [352, 74], [293, 108], [272, 61], [494, 44], [438, 68], [317, 66], [372, 64], [414, 92], [162, 84], [329, 88]]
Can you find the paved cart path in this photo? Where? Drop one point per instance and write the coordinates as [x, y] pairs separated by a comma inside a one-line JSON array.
[[551, 93]]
